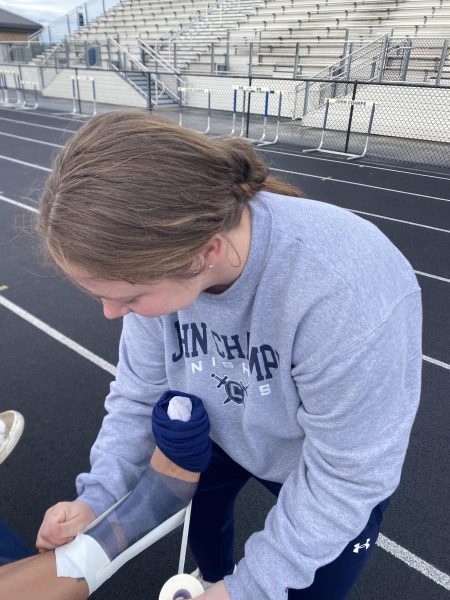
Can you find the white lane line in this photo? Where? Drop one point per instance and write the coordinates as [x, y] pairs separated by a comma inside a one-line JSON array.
[[360, 212], [32, 209], [27, 164], [27, 139], [59, 337], [365, 165], [69, 117], [432, 276], [414, 561], [19, 204], [38, 125], [366, 185], [438, 363], [398, 551]]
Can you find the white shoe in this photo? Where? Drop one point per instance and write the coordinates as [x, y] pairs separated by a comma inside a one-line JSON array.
[[206, 584], [11, 428]]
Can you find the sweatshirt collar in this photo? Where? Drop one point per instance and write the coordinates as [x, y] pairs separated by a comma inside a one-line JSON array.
[[261, 234]]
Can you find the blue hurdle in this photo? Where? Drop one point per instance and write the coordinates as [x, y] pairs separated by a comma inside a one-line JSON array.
[[246, 92]]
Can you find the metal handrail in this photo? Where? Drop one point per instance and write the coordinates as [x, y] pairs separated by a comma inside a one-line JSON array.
[[202, 21], [38, 33], [129, 81], [336, 72], [65, 20], [124, 50], [350, 57], [51, 54], [143, 68], [159, 59]]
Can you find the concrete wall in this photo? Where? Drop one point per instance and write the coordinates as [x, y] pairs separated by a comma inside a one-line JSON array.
[[407, 112], [415, 113], [110, 87]]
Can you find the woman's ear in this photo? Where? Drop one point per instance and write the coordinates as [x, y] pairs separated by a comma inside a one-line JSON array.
[[212, 251]]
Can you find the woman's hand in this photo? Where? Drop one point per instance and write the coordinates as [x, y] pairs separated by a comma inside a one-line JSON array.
[[216, 592], [61, 524]]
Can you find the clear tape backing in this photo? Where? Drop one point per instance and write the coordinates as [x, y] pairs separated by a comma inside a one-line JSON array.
[[156, 506]]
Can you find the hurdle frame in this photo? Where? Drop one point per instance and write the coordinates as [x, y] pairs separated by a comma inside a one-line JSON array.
[[23, 105], [352, 103], [76, 97], [5, 100], [247, 90], [184, 90]]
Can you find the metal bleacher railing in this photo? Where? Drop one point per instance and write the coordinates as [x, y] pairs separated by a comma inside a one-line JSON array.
[[263, 37], [424, 60], [161, 42], [165, 90], [79, 17]]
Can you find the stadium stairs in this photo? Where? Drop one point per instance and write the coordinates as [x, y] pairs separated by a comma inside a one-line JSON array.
[[174, 37]]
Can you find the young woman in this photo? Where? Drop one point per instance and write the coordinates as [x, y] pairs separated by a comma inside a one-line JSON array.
[[296, 322]]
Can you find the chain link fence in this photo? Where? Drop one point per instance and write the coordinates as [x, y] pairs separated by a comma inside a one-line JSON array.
[[411, 122]]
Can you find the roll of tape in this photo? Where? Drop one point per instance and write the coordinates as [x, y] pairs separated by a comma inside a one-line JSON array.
[[181, 587]]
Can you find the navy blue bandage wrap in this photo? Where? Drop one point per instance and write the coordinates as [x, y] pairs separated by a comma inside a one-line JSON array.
[[187, 444]]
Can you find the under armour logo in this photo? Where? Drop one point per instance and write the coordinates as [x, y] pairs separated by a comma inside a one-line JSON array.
[[357, 547]]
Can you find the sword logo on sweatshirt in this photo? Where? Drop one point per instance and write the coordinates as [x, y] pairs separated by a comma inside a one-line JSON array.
[[235, 390]]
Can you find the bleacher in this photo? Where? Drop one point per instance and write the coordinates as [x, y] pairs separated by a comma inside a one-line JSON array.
[[282, 36]]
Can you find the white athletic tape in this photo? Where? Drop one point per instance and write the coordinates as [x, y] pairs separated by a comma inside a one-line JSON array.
[[180, 587], [84, 557]]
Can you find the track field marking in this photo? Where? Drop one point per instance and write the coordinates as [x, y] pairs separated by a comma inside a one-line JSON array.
[[27, 164], [438, 363], [35, 210], [366, 185], [69, 118], [414, 561], [360, 212], [432, 276], [38, 125], [365, 165], [27, 139], [390, 546], [19, 204], [59, 337]]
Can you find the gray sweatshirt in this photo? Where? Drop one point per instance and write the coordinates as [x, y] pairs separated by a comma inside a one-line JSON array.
[[309, 366]]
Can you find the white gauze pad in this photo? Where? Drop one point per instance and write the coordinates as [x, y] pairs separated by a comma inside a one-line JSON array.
[[180, 407]]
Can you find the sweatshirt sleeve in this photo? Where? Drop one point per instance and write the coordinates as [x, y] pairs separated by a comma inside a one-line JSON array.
[[356, 409], [125, 442]]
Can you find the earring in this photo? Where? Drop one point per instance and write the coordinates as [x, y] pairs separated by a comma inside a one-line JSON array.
[[210, 266]]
